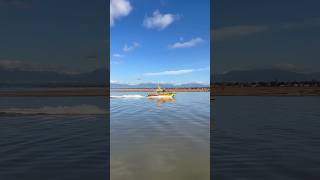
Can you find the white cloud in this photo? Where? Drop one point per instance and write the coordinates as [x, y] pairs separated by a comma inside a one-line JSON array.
[[116, 59], [187, 44], [118, 9], [118, 55], [116, 62], [114, 81], [203, 69], [246, 30], [159, 21], [192, 82], [127, 48], [175, 72]]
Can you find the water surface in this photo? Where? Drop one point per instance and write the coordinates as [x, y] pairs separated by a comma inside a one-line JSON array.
[[54, 138], [266, 138], [154, 139]]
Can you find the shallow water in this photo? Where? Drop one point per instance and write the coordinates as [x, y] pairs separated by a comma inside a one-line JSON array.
[[266, 138], [156, 139], [54, 138]]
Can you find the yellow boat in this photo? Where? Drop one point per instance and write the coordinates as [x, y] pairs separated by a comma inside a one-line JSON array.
[[162, 94]]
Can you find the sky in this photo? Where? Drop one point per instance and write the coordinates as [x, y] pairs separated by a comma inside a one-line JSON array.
[[160, 40], [281, 34], [65, 36], [165, 41]]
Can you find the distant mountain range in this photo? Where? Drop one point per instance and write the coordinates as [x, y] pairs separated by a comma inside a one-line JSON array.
[[262, 75], [17, 76], [265, 75], [154, 85], [100, 76]]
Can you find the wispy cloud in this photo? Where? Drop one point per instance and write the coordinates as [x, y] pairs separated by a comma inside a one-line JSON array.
[[127, 48], [118, 55], [192, 82], [114, 81], [246, 30], [236, 31], [116, 62], [175, 72], [187, 44], [203, 69], [159, 21], [118, 9]]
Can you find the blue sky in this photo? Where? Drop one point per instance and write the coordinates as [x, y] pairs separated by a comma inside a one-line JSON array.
[[68, 36], [160, 41], [266, 34]]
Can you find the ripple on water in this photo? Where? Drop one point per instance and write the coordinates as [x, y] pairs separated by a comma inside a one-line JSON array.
[[153, 139], [266, 138]]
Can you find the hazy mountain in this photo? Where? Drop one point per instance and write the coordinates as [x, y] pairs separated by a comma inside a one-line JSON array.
[[265, 75], [154, 85], [100, 76], [16, 76]]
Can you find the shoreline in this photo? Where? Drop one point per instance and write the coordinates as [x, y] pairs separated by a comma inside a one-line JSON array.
[[216, 91], [52, 92], [266, 91]]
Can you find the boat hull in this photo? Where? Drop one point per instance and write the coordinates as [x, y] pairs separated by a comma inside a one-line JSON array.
[[171, 96]]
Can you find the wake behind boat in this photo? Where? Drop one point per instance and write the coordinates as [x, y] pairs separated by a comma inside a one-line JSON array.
[[162, 93], [128, 96]]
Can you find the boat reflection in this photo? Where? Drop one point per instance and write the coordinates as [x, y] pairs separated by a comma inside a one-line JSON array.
[[161, 101]]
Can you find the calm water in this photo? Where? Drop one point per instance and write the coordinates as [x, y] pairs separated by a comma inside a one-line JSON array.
[[266, 138], [253, 138], [160, 140], [53, 138]]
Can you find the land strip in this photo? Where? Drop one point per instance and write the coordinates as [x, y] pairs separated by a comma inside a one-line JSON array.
[[265, 91], [216, 91], [55, 92]]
